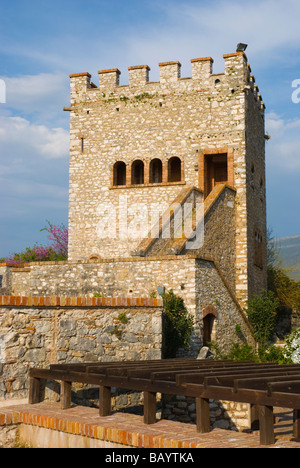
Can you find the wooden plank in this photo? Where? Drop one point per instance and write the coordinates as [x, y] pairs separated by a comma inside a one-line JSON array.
[[261, 383], [188, 371], [287, 386], [104, 401], [65, 395], [149, 407], [266, 425], [34, 391], [40, 373], [203, 415], [296, 423], [255, 397], [198, 377]]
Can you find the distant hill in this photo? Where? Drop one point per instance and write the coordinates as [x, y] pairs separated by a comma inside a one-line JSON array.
[[289, 254]]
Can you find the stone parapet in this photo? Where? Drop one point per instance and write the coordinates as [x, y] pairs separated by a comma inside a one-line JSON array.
[[236, 72]]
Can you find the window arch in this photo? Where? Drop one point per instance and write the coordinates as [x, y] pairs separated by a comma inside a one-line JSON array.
[[94, 258], [137, 172], [174, 169], [155, 172], [119, 173]]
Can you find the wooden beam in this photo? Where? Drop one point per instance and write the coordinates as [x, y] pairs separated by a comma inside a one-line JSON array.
[[203, 415], [296, 424], [104, 401], [266, 425], [34, 391], [149, 407], [65, 394], [254, 417]]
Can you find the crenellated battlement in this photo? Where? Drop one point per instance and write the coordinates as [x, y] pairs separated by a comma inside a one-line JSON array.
[[236, 75]]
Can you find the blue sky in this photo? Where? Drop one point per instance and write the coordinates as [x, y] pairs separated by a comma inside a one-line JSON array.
[[42, 42]]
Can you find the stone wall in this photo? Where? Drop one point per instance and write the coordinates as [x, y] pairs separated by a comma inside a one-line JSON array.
[[198, 281], [256, 194], [5, 279], [39, 331], [220, 232]]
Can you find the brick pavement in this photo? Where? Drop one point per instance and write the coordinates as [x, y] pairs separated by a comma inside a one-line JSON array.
[[129, 429]]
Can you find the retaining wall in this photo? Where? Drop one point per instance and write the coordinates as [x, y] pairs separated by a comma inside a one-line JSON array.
[[39, 331]]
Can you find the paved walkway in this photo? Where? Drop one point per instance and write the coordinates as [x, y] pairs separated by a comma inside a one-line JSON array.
[[129, 429]]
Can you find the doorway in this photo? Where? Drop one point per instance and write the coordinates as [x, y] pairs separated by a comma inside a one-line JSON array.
[[216, 171], [208, 323]]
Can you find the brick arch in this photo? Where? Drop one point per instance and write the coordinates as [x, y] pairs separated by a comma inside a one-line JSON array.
[[209, 310], [119, 173], [138, 172], [155, 171], [175, 169]]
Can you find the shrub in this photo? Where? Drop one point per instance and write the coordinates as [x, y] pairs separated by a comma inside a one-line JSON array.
[[273, 354], [245, 352], [242, 352], [262, 311]]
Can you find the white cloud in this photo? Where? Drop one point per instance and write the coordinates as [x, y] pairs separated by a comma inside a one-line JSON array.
[[42, 97], [18, 136], [34, 89], [283, 149]]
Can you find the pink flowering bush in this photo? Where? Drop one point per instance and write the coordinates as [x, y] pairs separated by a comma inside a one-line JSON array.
[[57, 250], [59, 237]]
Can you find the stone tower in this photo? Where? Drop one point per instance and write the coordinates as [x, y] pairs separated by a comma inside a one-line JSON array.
[[145, 145]]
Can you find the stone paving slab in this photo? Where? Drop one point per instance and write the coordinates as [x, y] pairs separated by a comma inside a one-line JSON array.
[[130, 430]]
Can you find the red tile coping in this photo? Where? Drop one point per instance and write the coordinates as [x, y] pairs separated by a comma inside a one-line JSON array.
[[235, 54], [139, 67], [110, 70], [202, 59], [75, 75], [61, 301], [164, 64], [129, 429]]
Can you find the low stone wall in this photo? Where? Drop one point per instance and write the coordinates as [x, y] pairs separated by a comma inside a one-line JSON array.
[[39, 331], [223, 414]]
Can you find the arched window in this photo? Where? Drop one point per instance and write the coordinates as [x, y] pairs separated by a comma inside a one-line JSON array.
[[120, 173], [137, 173], [174, 170], [155, 171]]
